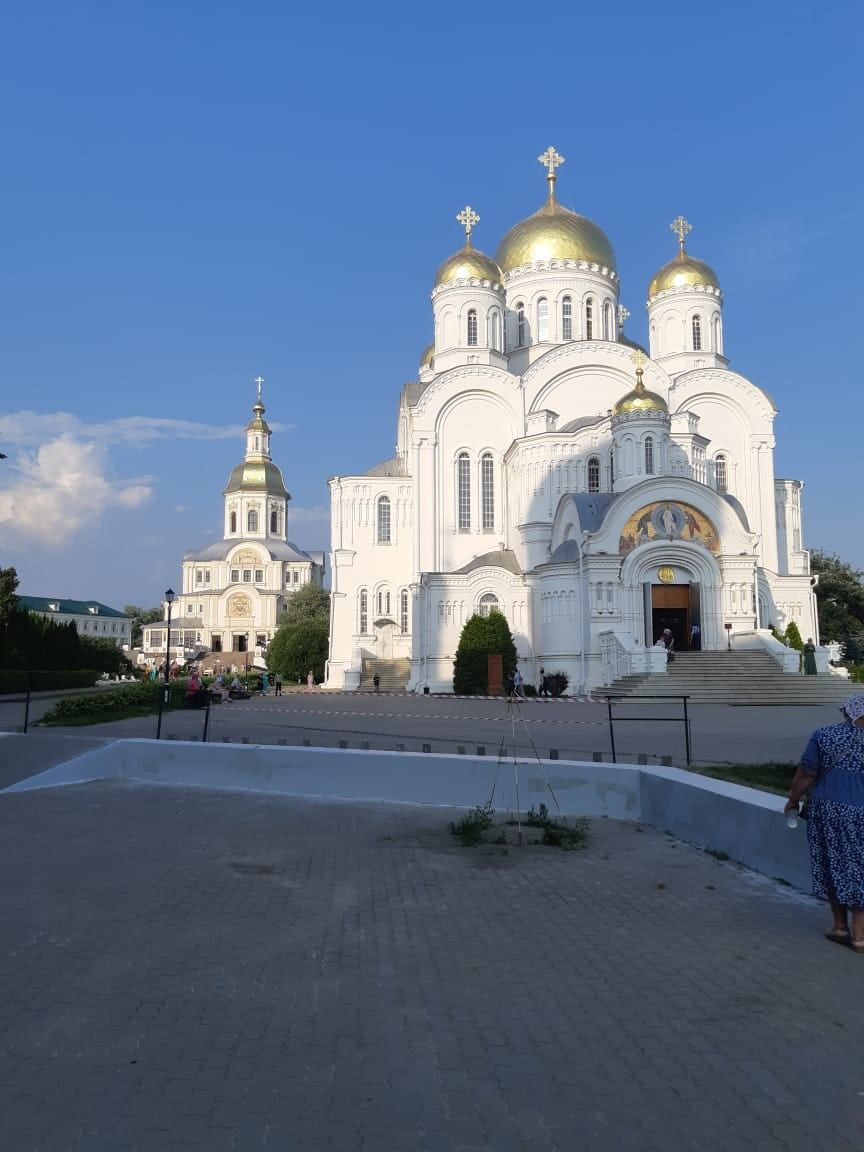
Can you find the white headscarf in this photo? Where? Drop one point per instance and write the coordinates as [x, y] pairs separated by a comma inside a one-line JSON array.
[[854, 707]]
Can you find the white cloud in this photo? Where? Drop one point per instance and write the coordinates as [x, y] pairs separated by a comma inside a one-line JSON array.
[[65, 484], [29, 429]]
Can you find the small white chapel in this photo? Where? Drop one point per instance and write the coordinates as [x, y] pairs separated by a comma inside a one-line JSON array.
[[548, 467]]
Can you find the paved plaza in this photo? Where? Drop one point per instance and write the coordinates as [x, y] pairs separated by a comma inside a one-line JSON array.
[[185, 969]]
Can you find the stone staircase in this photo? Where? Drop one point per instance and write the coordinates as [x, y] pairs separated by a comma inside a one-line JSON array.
[[749, 677], [393, 675]]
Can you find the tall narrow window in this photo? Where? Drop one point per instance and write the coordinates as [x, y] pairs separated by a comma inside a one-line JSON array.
[[543, 320], [718, 336], [472, 328], [232, 522], [383, 519], [697, 334], [567, 318], [607, 321], [463, 492], [487, 603], [379, 601], [520, 325], [649, 455], [593, 474], [487, 489], [364, 612], [611, 467], [721, 474], [589, 319], [495, 329], [274, 520], [251, 520], [403, 612]]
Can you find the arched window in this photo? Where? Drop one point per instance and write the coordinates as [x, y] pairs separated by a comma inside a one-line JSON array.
[[403, 612], [251, 520], [463, 492], [487, 490], [472, 328], [364, 612], [594, 474], [383, 519], [495, 328], [543, 320], [649, 455], [589, 319], [718, 336], [611, 467], [487, 603], [520, 325], [567, 318], [607, 321], [721, 474], [232, 522], [697, 333], [274, 520]]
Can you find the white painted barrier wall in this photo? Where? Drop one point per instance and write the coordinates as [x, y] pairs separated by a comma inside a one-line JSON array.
[[745, 824]]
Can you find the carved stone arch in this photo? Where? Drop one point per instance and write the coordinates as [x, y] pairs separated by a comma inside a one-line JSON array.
[[478, 374]]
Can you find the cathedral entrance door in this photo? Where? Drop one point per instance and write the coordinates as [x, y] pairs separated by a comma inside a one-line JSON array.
[[384, 640], [670, 608]]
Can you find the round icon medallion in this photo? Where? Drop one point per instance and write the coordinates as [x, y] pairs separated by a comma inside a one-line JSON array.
[[666, 575]]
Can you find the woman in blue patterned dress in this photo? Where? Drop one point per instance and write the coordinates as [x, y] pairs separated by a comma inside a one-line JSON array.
[[832, 772]]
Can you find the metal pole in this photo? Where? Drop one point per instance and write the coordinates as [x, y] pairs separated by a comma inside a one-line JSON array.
[[206, 718], [164, 690], [611, 729], [687, 731], [27, 704]]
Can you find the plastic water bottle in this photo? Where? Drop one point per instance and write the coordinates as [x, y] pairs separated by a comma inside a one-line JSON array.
[[792, 820]]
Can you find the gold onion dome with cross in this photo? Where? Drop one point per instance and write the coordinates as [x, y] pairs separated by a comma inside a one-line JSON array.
[[468, 263], [640, 400], [554, 232], [684, 271]]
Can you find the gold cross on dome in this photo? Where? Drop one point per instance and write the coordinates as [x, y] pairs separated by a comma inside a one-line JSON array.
[[259, 381], [550, 161], [468, 218], [623, 315], [640, 360], [681, 227]]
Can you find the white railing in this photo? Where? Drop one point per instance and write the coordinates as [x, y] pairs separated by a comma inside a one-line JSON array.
[[621, 655]]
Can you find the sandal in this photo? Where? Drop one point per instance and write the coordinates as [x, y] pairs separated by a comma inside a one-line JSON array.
[[839, 936], [856, 946]]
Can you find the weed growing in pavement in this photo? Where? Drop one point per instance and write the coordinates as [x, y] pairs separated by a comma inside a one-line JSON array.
[[561, 833], [469, 830]]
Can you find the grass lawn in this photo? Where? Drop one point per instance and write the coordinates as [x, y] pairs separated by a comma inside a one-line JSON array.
[[767, 777]]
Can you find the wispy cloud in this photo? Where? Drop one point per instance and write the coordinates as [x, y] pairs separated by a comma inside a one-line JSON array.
[[64, 485], [28, 429]]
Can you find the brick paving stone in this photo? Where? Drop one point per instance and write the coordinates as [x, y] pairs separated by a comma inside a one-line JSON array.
[[185, 969]]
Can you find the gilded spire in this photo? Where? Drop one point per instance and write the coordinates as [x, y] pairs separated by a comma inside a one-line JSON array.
[[551, 160], [639, 359], [468, 218], [681, 227], [258, 406]]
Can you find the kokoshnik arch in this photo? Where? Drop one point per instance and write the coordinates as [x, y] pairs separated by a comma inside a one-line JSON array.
[[550, 468]]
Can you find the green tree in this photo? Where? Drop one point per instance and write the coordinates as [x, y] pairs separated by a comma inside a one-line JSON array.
[[295, 651], [8, 598], [309, 602], [140, 617], [792, 638], [102, 655], [840, 603], [482, 636]]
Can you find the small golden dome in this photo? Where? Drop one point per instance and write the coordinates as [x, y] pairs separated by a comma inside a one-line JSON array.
[[684, 271], [640, 400], [555, 233], [427, 358], [468, 264]]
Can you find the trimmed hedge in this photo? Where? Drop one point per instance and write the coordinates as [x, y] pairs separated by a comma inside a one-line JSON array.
[[16, 681], [114, 703]]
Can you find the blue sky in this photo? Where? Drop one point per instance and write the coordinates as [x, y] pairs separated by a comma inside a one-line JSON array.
[[197, 193]]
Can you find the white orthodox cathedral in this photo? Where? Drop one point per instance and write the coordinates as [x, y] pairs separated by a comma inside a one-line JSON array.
[[549, 468]]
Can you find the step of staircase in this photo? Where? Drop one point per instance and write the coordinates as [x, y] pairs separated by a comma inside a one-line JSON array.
[[393, 674], [732, 678]]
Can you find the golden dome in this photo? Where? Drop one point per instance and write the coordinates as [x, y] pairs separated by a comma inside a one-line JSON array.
[[555, 233], [468, 264], [427, 357], [683, 272], [640, 400], [257, 476]]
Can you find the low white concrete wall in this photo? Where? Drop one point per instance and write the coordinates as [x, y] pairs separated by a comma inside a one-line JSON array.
[[743, 823]]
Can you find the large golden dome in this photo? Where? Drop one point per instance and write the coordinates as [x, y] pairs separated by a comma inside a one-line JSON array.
[[468, 264], [555, 233], [640, 400], [684, 271]]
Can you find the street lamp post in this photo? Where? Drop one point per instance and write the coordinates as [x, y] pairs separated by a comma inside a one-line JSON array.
[[246, 658], [163, 694]]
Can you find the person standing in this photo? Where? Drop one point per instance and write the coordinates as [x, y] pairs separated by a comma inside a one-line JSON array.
[[278, 684], [310, 681], [518, 682], [809, 651], [542, 684], [695, 638], [376, 681], [831, 774]]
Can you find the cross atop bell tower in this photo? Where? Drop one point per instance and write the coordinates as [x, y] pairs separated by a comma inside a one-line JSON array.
[[550, 159]]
